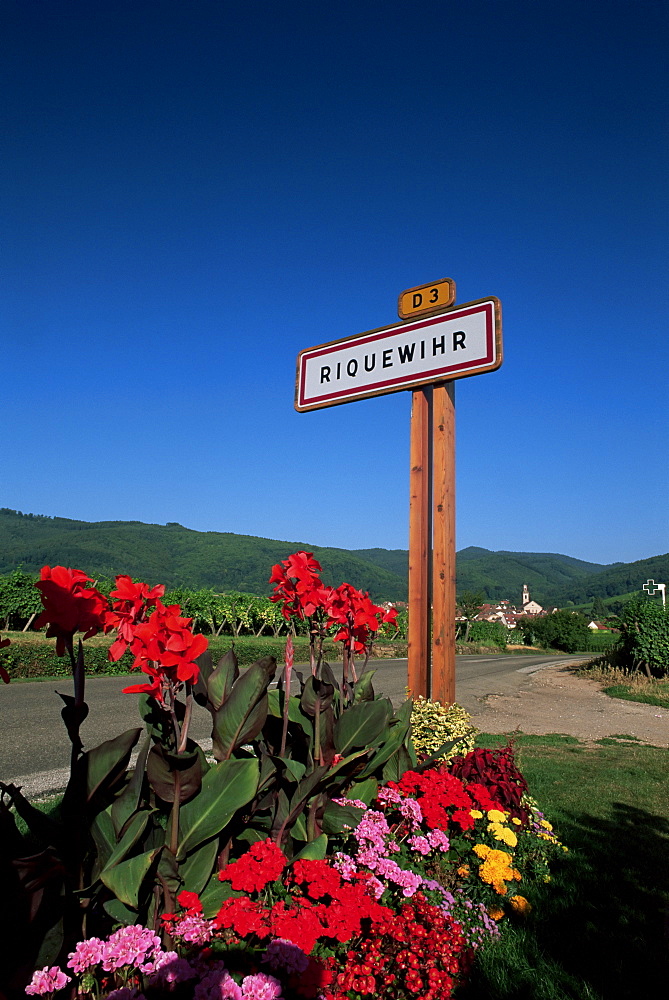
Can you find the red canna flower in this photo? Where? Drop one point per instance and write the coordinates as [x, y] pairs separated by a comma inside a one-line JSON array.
[[298, 585], [69, 606], [357, 615], [166, 648], [131, 605]]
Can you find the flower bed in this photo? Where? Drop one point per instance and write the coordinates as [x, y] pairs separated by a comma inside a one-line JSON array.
[[321, 856]]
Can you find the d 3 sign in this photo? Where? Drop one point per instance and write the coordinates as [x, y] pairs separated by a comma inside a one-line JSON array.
[[426, 299]]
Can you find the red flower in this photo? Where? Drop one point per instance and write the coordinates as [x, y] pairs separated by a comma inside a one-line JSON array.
[[302, 923], [131, 605], [438, 792], [165, 648], [298, 585], [359, 617], [69, 606], [263, 863], [244, 916], [189, 901], [482, 797], [320, 878]]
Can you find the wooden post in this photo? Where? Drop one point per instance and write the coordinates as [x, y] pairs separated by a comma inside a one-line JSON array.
[[420, 544], [443, 551]]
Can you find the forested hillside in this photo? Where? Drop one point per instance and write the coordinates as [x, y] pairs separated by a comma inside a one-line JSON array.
[[620, 578], [223, 561], [500, 575], [174, 555]]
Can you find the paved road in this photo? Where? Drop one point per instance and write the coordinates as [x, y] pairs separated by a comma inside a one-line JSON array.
[[34, 750]]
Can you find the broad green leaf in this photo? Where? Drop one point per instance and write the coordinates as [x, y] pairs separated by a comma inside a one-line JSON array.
[[51, 944], [133, 832], [360, 725], [227, 787], [315, 850], [221, 680], [125, 879], [294, 769], [299, 828], [363, 690], [119, 912], [127, 802], [167, 872], [365, 791], [231, 722], [337, 819], [295, 713], [397, 764], [197, 868], [205, 665], [162, 768], [316, 694], [214, 895], [103, 833], [398, 736], [104, 764]]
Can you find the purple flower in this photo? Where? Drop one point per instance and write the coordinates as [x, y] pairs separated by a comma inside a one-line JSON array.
[[129, 946], [168, 969], [437, 838], [125, 993], [261, 987], [283, 954], [48, 980], [420, 844], [86, 954], [218, 985], [194, 929]]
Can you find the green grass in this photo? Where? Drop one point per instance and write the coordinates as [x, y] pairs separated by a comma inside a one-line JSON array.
[[597, 931], [631, 686], [659, 696]]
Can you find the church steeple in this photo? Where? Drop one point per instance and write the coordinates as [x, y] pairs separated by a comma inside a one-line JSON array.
[[526, 594]]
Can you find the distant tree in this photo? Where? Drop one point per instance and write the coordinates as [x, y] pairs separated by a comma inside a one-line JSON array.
[[644, 637], [468, 606], [599, 609], [19, 600], [564, 630]]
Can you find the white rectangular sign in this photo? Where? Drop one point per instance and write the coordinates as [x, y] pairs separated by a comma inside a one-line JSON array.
[[462, 341]]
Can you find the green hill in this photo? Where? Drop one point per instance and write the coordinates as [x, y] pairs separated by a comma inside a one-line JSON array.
[[502, 574], [618, 580], [174, 555]]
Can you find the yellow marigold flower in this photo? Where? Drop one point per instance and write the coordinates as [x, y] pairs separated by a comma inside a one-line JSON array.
[[463, 871], [496, 869], [516, 821], [482, 850], [476, 814], [503, 833], [520, 905], [496, 912], [546, 825], [496, 816]]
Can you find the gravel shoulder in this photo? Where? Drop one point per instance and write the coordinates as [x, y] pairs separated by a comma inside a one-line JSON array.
[[556, 700]]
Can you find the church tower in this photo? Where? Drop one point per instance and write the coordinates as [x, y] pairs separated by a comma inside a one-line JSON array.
[[526, 594]]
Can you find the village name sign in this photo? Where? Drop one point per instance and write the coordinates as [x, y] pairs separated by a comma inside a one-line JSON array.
[[456, 343], [435, 344]]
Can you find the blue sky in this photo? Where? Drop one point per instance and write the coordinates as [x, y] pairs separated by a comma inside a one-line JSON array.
[[194, 192]]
